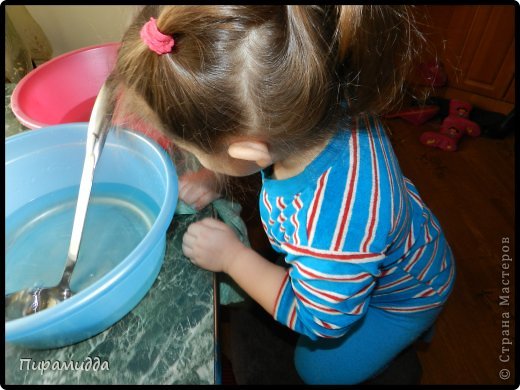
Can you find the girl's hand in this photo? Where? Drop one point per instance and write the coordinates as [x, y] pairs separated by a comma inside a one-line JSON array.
[[211, 244], [198, 189]]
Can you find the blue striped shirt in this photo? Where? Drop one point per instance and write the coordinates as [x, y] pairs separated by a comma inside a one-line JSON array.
[[355, 233]]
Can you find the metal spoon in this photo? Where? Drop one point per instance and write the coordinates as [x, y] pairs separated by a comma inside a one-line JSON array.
[[32, 300]]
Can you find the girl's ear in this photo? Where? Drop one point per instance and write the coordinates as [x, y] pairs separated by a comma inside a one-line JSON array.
[[251, 151]]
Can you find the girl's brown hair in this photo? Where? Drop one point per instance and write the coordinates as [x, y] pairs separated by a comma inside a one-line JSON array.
[[279, 73]]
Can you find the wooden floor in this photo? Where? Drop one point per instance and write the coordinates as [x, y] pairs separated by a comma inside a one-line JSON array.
[[471, 191]]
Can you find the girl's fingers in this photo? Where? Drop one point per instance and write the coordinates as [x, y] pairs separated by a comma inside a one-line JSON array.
[[187, 250], [185, 189], [188, 244], [189, 239], [212, 223], [198, 231], [198, 188], [197, 197], [192, 193], [205, 199]]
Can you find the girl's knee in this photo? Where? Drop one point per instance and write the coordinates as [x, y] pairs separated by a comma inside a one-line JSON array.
[[346, 375], [325, 366]]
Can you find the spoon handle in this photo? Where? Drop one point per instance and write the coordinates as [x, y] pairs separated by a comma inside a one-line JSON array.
[[96, 136]]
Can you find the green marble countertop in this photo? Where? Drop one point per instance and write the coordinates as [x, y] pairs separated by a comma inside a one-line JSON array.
[[168, 338], [12, 126]]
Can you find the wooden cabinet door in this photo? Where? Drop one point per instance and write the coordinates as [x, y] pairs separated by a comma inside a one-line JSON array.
[[476, 44]]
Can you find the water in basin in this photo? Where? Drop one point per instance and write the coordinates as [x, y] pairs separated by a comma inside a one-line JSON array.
[[38, 235]]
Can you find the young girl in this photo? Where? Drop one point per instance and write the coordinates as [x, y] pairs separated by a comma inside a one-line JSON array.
[[293, 92]]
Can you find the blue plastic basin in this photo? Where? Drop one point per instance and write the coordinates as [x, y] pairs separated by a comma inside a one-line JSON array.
[[121, 253]]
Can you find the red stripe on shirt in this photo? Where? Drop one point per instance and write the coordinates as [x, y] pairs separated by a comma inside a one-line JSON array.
[[375, 199], [328, 255], [322, 292], [292, 316], [316, 305], [410, 309], [358, 309], [279, 294], [316, 201], [348, 201], [267, 204], [343, 278], [395, 282]]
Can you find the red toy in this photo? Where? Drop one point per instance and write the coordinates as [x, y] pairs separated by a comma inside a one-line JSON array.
[[453, 128], [433, 74], [417, 115], [430, 74], [459, 108]]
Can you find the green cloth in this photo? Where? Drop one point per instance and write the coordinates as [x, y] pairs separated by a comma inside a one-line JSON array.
[[229, 213]]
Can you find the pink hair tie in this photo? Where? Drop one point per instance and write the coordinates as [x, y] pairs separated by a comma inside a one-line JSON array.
[[156, 40]]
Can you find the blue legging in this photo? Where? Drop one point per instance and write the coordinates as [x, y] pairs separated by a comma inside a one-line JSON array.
[[368, 347]]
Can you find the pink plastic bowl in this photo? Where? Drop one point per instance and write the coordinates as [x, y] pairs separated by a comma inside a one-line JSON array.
[[63, 89]]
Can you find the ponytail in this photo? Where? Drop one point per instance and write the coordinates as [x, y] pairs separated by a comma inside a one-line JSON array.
[[349, 19], [377, 48]]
